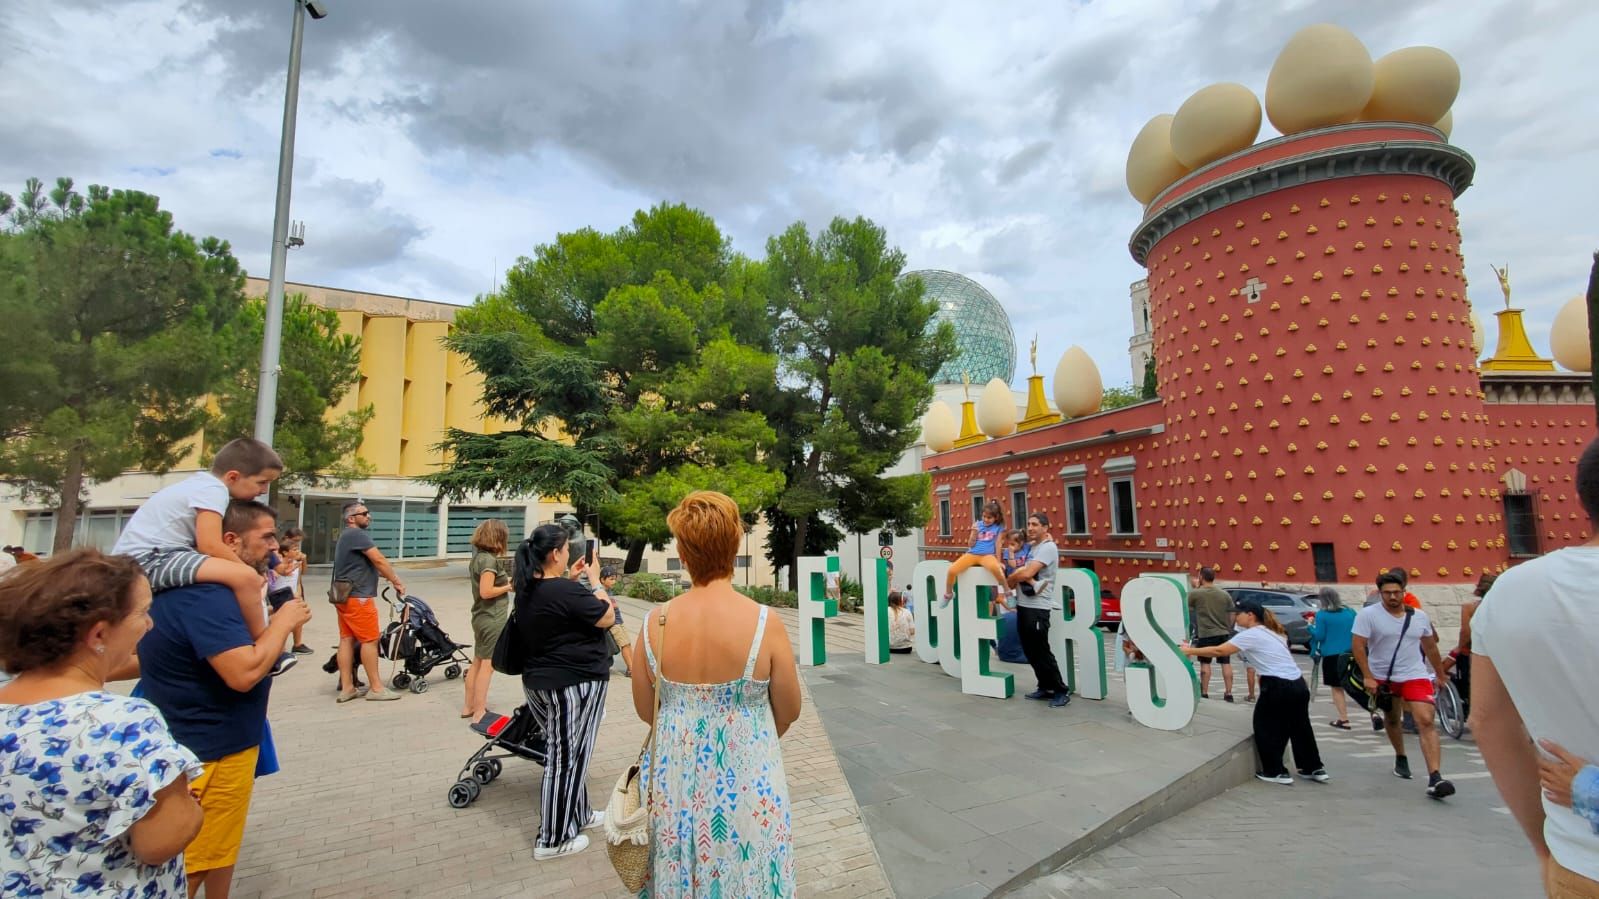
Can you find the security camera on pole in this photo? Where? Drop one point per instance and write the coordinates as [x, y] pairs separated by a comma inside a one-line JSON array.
[[266, 399]]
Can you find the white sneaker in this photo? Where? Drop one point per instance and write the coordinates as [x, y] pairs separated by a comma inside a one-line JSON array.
[[596, 819], [570, 847], [1284, 778]]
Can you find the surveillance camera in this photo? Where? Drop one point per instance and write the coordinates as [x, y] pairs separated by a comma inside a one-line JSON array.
[[316, 8]]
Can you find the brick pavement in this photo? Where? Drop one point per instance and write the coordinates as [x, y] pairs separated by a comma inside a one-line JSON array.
[[1365, 833], [359, 808]]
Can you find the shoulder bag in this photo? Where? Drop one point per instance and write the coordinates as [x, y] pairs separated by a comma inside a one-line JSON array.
[[627, 814], [339, 591], [1355, 680], [510, 649]]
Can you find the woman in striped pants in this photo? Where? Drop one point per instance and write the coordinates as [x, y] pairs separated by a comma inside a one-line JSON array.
[[563, 627]]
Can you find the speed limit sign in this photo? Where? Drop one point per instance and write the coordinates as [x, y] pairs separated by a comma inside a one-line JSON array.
[[886, 552]]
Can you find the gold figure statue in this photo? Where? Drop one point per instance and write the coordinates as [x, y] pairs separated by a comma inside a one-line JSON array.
[[1032, 353], [966, 384], [1504, 281]]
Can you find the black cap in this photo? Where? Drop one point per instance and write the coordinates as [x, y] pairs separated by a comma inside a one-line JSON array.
[[1252, 607]]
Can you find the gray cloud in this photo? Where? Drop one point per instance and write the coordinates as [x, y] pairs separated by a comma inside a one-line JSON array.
[[440, 141]]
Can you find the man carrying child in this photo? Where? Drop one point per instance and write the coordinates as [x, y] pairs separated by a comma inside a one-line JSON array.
[[176, 536]]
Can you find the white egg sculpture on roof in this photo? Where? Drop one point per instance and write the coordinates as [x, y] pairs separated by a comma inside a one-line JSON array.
[[1568, 336], [1323, 76], [1151, 165], [939, 428], [1416, 84], [996, 409], [1217, 120], [1078, 387], [1446, 124], [1476, 336]]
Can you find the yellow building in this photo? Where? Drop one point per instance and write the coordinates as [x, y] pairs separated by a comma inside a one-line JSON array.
[[417, 389]]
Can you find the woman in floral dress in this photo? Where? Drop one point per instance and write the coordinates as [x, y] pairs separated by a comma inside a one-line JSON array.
[[94, 791], [719, 815]]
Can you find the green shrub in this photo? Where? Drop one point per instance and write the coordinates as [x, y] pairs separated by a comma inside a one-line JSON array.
[[851, 597], [648, 587], [771, 596]]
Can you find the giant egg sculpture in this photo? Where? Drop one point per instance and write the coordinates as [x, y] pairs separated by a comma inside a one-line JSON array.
[[1215, 121], [1416, 84], [1323, 76], [1568, 336], [996, 409], [939, 428], [1078, 387], [1151, 165]]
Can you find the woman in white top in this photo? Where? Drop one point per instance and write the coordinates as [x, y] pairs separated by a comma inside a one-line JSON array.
[[901, 624], [1283, 712]]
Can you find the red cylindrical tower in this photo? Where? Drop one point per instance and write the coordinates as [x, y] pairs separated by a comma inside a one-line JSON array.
[[1313, 348]]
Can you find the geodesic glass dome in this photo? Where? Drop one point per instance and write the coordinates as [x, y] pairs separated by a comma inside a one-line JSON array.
[[985, 345]]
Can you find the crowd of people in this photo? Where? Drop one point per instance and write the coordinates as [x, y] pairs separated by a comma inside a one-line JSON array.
[[203, 601]]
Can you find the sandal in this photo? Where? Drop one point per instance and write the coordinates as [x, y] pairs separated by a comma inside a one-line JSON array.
[[1341, 724]]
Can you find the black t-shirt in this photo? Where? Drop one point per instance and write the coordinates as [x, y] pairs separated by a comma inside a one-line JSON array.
[[557, 617]]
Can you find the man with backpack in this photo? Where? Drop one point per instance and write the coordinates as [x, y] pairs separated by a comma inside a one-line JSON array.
[[1389, 642]]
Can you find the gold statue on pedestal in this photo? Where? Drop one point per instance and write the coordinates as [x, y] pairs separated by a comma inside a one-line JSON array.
[[1504, 280], [1032, 353], [966, 384]]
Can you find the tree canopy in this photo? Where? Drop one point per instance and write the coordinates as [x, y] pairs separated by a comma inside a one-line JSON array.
[[635, 364], [105, 305], [857, 358], [319, 366]]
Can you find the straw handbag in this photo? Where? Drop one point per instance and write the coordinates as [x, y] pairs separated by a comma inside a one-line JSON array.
[[627, 814]]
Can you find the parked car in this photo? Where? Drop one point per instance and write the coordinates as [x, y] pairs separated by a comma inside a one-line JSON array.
[[1110, 611], [1293, 610]]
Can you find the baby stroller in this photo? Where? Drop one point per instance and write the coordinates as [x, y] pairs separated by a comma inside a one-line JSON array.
[[415, 639], [505, 736]]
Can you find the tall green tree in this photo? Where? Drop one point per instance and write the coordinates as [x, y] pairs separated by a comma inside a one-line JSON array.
[[857, 357], [112, 318], [1151, 388], [320, 365], [635, 364]]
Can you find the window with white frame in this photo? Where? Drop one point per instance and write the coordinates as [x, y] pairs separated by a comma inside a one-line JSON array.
[[1123, 499], [943, 518], [1018, 498], [1076, 495]]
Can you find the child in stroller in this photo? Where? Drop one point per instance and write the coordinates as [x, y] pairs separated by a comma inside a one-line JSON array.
[[504, 736]]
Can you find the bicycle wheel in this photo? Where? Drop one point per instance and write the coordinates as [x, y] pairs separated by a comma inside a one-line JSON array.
[[1451, 713]]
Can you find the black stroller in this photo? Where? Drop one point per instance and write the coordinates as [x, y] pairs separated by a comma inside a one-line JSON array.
[[505, 736], [415, 639]]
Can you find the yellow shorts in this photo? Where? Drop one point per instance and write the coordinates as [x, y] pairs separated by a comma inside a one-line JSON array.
[[224, 790]]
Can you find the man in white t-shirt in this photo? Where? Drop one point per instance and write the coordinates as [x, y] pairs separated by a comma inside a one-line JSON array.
[[1533, 674], [1389, 642]]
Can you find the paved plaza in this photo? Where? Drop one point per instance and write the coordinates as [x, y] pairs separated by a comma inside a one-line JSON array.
[[902, 786], [359, 808]]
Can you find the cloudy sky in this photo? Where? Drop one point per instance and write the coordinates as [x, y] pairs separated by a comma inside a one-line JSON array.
[[439, 141]]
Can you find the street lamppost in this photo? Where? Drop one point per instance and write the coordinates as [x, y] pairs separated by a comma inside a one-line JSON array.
[[266, 396]]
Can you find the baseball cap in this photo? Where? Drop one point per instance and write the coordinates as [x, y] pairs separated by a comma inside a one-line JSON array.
[[1252, 607]]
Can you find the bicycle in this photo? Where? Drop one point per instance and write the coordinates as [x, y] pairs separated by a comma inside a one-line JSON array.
[[1451, 710]]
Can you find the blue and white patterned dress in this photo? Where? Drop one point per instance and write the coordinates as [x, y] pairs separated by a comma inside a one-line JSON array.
[[75, 775], [719, 823]]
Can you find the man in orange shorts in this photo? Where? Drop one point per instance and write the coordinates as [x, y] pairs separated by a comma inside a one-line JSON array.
[[357, 562]]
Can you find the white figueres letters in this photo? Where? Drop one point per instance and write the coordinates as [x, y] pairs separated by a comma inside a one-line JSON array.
[[1078, 644], [874, 609], [927, 585], [814, 607], [1162, 692], [975, 589]]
